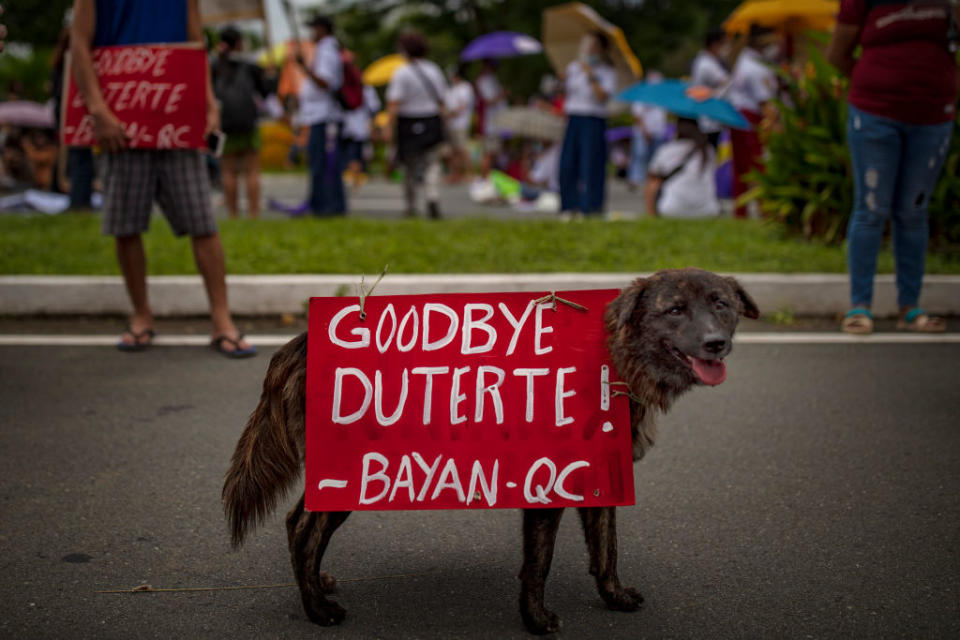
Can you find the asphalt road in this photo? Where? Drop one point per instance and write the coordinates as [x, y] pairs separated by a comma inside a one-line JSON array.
[[816, 494]]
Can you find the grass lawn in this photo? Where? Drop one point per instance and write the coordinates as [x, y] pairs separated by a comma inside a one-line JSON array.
[[72, 244]]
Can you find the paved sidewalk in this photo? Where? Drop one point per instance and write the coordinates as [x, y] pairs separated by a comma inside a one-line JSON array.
[[381, 198]]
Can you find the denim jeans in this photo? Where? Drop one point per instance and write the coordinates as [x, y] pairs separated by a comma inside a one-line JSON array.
[[583, 164], [895, 168], [326, 180], [641, 152]]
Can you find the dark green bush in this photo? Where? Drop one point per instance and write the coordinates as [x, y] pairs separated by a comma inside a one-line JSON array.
[[807, 184]]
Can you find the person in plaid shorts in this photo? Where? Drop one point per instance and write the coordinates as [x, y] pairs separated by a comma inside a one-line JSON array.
[[135, 178]]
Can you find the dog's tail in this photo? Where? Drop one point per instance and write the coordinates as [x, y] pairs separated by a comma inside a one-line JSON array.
[[269, 454]]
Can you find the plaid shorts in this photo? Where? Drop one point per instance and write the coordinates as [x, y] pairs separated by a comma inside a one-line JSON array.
[[177, 179]]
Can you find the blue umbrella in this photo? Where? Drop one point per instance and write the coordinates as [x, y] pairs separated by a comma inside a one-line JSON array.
[[672, 96], [501, 44]]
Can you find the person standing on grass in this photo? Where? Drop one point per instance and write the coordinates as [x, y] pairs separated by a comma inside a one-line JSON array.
[[415, 105], [902, 109], [320, 110], [236, 83], [590, 82], [133, 178]]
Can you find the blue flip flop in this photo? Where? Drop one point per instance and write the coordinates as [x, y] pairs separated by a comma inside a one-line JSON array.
[[137, 344], [237, 352]]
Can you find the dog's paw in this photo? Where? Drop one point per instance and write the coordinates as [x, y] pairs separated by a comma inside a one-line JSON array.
[[623, 599], [326, 613], [541, 622]]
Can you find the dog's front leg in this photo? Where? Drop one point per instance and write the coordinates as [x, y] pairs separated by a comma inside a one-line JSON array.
[[308, 534], [539, 536], [600, 530]]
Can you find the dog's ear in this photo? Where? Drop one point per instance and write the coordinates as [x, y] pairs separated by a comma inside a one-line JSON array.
[[623, 306], [748, 307]]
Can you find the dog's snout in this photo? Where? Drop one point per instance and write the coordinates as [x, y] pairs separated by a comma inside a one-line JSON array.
[[715, 343]]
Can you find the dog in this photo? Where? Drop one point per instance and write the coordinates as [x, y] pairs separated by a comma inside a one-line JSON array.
[[666, 334]]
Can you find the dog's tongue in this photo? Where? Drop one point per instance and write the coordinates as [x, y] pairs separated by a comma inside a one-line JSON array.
[[711, 372]]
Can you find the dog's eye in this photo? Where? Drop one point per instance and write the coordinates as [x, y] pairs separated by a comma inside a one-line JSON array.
[[721, 304], [676, 311]]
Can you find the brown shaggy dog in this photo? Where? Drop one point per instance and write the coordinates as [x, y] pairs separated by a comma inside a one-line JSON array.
[[667, 333]]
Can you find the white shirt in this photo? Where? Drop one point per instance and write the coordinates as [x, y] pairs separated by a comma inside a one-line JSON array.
[[459, 100], [408, 88], [581, 100], [488, 88], [753, 83], [356, 123], [691, 193], [318, 104], [654, 120], [707, 71]]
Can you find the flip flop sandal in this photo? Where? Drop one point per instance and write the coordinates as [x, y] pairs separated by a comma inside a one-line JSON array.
[[858, 321], [237, 352], [138, 343], [920, 321]]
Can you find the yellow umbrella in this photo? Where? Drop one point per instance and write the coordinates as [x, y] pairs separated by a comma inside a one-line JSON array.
[[788, 15], [565, 25], [274, 56], [380, 71]]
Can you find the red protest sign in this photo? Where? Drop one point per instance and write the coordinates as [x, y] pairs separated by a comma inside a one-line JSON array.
[[463, 401], [157, 91]]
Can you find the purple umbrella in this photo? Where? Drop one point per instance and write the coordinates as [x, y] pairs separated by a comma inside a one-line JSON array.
[[617, 134], [23, 113], [501, 44]]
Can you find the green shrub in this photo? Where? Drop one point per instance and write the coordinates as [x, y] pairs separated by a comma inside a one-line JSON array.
[[807, 184]]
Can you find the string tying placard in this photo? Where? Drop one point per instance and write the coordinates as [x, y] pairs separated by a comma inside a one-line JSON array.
[[554, 298], [362, 294], [628, 393]]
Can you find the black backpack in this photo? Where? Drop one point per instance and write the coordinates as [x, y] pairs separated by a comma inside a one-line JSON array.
[[235, 87]]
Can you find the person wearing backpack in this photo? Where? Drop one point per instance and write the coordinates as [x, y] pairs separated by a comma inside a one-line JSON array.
[[320, 110], [236, 82], [681, 182], [415, 103]]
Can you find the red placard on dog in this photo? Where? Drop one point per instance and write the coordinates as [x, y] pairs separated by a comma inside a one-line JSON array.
[[157, 91], [464, 401]]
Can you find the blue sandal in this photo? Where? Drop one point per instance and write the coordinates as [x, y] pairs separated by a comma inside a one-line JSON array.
[[237, 351], [920, 321], [142, 340], [858, 321]]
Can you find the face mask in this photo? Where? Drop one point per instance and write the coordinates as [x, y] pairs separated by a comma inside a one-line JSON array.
[[586, 44]]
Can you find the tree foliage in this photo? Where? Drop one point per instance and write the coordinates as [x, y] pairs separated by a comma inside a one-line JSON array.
[[36, 22]]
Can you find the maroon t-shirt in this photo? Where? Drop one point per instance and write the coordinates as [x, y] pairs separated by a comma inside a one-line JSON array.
[[906, 71]]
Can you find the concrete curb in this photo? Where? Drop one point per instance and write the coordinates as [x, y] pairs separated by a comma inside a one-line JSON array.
[[809, 294]]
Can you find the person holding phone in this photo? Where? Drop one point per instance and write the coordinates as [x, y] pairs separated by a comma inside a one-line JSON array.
[[134, 178], [902, 109]]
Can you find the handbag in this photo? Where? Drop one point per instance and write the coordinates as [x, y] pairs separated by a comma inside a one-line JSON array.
[[417, 135]]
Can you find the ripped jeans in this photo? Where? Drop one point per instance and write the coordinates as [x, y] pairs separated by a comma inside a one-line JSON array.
[[895, 168]]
